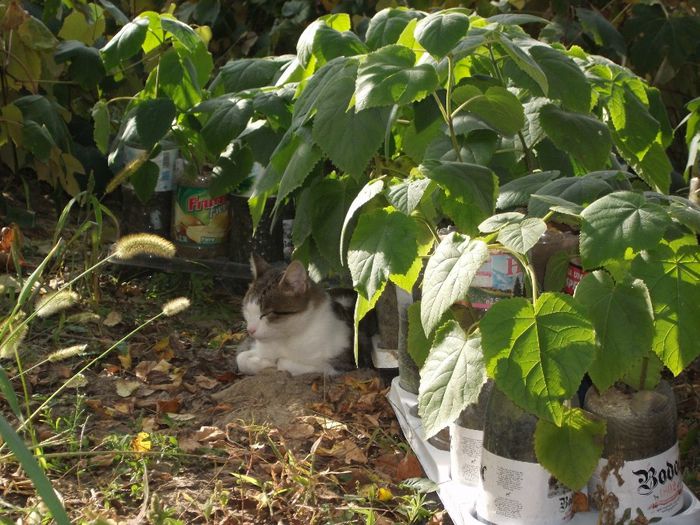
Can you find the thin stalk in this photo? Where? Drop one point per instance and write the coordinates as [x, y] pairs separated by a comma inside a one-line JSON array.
[[448, 113], [529, 161]]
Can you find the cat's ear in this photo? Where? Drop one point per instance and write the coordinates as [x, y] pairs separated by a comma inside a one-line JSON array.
[[258, 265], [295, 277]]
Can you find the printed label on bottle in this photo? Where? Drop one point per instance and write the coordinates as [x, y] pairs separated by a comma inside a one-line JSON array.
[[654, 485], [199, 218], [521, 493], [165, 161], [574, 274], [501, 271], [465, 454]]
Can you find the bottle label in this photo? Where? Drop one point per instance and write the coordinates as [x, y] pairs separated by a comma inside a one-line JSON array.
[[520, 492], [199, 218], [165, 161], [465, 454], [574, 274], [654, 485], [501, 271]]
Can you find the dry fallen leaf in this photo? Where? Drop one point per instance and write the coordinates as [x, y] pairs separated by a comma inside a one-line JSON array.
[[163, 349], [207, 383], [167, 405], [149, 424], [125, 359], [349, 452], [113, 319], [182, 417], [143, 369], [126, 388], [299, 431], [209, 434], [409, 467]]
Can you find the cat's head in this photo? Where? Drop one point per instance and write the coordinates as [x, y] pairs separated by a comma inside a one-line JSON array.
[[278, 299]]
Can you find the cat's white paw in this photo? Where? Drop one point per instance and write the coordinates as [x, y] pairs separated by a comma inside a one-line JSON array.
[[251, 363]]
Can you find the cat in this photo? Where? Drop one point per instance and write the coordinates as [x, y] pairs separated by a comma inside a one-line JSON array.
[[294, 323]]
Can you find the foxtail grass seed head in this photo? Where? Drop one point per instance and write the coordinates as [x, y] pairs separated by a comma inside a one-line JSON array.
[[77, 381], [176, 306], [11, 344], [67, 353], [55, 302], [136, 244]]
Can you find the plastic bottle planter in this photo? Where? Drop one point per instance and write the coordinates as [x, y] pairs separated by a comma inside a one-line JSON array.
[[409, 375], [466, 440], [153, 216], [201, 221], [516, 489], [641, 432]]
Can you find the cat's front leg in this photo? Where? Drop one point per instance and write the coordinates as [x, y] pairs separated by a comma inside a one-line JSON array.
[[254, 360]]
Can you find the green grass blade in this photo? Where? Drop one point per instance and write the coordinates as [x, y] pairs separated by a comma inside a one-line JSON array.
[[33, 470], [9, 393]]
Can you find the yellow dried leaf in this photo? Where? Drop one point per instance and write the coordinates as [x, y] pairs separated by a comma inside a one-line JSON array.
[[384, 494], [142, 442]]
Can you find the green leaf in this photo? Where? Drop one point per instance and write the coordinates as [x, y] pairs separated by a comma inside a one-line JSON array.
[[570, 451], [387, 25], [538, 356], [295, 161], [233, 167], [566, 80], [439, 32], [226, 123], [417, 343], [181, 31], [517, 192], [34, 471], [144, 180], [654, 167], [623, 320], [349, 138], [100, 116], [470, 191], [522, 236], [86, 66], [37, 140], [451, 377], [406, 195], [370, 190], [524, 61], [119, 17], [248, 73], [500, 220], [582, 136], [632, 121], [602, 31], [497, 107], [6, 389], [556, 271], [619, 221], [315, 89], [329, 44], [390, 76], [331, 199], [125, 44], [448, 275], [383, 243], [148, 122], [577, 190], [673, 279], [46, 113]]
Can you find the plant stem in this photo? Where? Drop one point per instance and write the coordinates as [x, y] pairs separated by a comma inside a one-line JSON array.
[[448, 105], [528, 154]]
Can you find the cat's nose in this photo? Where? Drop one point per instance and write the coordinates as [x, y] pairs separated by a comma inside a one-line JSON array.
[[252, 330]]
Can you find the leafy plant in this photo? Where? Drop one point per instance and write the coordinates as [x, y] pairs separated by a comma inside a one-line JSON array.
[[443, 119]]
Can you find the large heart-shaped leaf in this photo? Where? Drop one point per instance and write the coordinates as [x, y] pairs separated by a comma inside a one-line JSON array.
[[370, 190], [619, 221], [448, 275], [407, 194], [521, 236], [387, 25], [578, 190], [247, 73], [523, 60], [451, 377], [500, 220], [349, 138], [329, 44], [390, 76], [314, 91], [470, 191], [538, 355], [126, 43], [226, 123], [623, 319], [148, 122], [632, 121], [673, 279], [582, 136], [439, 32], [570, 451], [566, 80], [497, 106], [86, 65], [383, 243], [233, 167], [517, 192], [294, 162]]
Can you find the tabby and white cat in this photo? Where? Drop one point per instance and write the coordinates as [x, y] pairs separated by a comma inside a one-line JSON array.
[[294, 323]]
